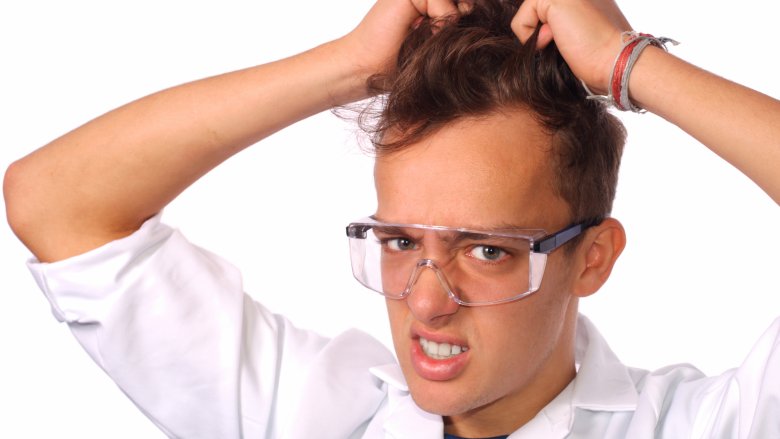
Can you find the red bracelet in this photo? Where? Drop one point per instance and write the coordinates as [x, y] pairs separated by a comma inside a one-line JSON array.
[[633, 45], [619, 69]]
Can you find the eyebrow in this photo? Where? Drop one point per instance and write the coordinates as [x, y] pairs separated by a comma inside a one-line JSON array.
[[497, 228], [469, 236], [451, 236], [390, 230], [506, 227]]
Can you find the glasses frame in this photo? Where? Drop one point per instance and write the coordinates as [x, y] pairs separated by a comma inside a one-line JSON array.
[[541, 244]]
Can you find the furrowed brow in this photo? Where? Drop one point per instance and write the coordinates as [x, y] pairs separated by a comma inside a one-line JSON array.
[[466, 236], [475, 236], [390, 230]]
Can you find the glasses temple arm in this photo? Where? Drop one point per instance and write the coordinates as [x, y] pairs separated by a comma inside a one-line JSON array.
[[557, 239]]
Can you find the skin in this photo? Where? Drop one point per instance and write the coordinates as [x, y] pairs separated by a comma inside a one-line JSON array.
[[475, 173], [715, 111], [102, 180], [83, 209]]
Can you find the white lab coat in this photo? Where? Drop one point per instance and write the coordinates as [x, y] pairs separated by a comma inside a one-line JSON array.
[[171, 325]]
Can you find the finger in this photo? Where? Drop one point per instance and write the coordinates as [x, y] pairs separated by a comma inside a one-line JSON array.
[[464, 6], [525, 20], [442, 9], [436, 9], [545, 36]]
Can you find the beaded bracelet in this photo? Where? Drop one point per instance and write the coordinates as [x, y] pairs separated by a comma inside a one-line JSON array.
[[633, 45]]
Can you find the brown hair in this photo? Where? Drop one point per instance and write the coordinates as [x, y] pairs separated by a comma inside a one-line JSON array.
[[475, 66]]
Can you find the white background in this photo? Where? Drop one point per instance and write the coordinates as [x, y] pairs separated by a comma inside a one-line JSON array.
[[697, 282]]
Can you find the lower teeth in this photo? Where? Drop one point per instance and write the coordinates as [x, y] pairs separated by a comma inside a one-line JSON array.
[[439, 357]]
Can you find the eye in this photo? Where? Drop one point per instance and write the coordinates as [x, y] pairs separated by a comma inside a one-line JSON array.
[[488, 253], [399, 244]]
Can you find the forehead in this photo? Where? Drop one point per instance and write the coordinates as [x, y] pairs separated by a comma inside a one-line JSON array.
[[477, 173]]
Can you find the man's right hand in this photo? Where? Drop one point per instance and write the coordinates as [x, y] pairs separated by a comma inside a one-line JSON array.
[[372, 47]]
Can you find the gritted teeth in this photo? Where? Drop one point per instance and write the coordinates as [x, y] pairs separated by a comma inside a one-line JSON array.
[[441, 351]]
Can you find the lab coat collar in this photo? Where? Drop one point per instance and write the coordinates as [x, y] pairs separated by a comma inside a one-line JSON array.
[[602, 383], [392, 375], [405, 419]]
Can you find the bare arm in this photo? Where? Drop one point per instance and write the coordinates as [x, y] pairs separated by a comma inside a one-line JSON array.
[[739, 124], [102, 180]]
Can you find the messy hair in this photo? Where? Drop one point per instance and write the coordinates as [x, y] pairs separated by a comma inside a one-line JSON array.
[[476, 66]]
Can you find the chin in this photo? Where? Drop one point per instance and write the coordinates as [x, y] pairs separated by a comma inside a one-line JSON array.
[[444, 398], [437, 405]]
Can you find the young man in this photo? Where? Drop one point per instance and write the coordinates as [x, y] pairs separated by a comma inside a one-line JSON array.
[[169, 322]]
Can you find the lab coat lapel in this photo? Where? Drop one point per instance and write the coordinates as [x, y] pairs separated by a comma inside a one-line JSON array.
[[405, 419]]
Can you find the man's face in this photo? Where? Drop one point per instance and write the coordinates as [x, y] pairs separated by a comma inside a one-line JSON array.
[[481, 174]]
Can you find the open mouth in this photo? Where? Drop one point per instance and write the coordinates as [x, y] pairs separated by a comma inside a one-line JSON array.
[[441, 351]]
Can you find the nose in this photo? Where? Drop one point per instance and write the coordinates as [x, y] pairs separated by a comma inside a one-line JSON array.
[[429, 299]]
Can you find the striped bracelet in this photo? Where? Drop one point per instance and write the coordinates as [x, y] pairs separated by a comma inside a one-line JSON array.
[[633, 45]]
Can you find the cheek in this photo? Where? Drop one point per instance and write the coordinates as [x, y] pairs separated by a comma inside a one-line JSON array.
[[523, 334], [559, 273], [519, 327], [397, 313]]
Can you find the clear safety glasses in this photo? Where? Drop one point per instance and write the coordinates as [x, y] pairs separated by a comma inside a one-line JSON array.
[[474, 267]]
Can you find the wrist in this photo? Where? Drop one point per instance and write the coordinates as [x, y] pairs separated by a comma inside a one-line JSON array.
[[600, 84], [647, 83], [634, 45], [344, 77]]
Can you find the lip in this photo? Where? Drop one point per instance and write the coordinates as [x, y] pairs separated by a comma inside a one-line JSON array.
[[437, 370]]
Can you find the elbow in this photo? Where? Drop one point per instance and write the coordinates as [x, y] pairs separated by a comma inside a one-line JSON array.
[[17, 205]]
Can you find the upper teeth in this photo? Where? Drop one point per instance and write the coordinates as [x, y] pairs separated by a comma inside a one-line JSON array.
[[440, 351]]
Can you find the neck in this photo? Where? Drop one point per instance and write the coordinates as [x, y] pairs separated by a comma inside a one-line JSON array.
[[506, 415]]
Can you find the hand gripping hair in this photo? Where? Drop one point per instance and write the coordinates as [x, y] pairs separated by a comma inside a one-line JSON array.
[[474, 66]]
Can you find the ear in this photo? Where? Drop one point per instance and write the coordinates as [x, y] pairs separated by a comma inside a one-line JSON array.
[[597, 255]]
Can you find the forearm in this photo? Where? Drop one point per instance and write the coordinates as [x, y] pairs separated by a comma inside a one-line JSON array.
[[102, 180], [739, 124]]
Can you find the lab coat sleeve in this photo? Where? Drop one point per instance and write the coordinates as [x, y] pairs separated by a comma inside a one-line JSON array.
[[741, 403], [170, 324]]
